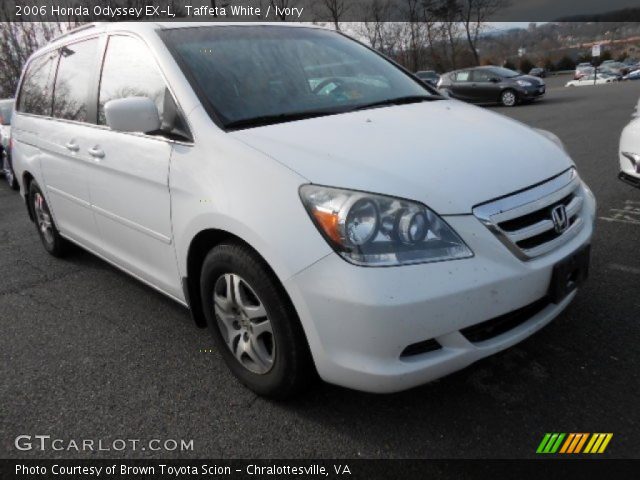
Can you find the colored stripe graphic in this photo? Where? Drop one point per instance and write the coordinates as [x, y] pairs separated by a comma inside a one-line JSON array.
[[550, 443], [573, 443], [544, 441], [598, 442], [567, 443], [581, 442], [555, 447]]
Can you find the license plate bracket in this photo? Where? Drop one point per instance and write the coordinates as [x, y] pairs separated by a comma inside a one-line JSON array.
[[569, 274]]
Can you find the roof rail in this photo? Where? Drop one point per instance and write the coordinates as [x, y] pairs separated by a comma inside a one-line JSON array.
[[81, 28]]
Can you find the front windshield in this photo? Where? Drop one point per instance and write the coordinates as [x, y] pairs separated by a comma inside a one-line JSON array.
[[504, 72], [6, 109], [252, 72]]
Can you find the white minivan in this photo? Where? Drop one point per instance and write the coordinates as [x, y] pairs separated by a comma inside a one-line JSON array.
[[316, 205]]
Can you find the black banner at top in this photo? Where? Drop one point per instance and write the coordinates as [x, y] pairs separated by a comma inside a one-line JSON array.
[[321, 11]]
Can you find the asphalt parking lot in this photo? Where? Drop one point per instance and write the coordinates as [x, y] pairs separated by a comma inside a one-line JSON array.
[[87, 352]]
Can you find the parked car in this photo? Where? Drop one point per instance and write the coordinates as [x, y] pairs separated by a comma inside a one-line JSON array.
[[582, 69], [634, 75], [429, 76], [600, 79], [538, 72], [629, 151], [618, 69], [491, 85], [374, 232], [6, 111]]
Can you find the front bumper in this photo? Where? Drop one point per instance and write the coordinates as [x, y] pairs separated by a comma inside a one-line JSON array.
[[359, 320], [629, 169], [633, 180], [531, 93]]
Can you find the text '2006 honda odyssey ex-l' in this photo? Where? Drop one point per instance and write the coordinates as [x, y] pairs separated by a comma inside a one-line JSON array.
[[317, 206]]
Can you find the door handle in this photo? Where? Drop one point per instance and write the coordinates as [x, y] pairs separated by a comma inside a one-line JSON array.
[[72, 147], [96, 152]]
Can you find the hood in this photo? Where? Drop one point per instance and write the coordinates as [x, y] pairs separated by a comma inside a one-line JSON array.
[[449, 155]]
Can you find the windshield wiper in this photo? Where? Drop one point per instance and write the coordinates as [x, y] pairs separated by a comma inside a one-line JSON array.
[[398, 101], [264, 120]]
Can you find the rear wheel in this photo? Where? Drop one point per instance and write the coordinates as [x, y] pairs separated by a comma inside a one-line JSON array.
[[51, 238], [508, 98], [9, 176], [253, 323]]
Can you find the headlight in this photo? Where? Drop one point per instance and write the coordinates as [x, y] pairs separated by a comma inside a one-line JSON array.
[[551, 136], [524, 83], [376, 230]]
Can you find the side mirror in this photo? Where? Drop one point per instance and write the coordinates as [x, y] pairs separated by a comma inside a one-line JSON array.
[[133, 114], [494, 80]]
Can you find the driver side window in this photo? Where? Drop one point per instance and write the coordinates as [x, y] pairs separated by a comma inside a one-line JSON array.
[[129, 71], [482, 76]]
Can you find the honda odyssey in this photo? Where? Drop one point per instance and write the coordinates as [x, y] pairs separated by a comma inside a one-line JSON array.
[[317, 206]]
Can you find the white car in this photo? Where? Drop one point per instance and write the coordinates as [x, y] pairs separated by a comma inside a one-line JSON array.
[[629, 151], [359, 226], [589, 80], [6, 111]]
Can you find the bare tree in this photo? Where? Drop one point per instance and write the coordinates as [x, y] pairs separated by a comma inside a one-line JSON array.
[[18, 41], [336, 10], [474, 18]]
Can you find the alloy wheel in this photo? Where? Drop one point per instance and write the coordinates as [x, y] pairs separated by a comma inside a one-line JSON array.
[[509, 98], [43, 218], [244, 324]]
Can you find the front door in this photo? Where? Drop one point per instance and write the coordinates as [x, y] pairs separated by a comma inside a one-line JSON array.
[[484, 90]]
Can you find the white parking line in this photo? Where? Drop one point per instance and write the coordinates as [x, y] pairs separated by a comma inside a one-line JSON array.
[[624, 268], [629, 214]]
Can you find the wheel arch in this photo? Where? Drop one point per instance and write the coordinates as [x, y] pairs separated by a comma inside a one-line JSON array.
[[199, 247], [27, 178]]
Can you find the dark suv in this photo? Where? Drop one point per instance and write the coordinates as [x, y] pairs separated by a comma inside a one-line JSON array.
[[491, 85]]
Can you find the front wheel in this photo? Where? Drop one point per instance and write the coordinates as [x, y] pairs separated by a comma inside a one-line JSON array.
[[49, 234], [254, 325], [508, 98]]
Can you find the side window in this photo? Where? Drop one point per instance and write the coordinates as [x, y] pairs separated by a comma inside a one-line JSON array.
[[73, 83], [482, 76], [130, 71], [36, 95], [463, 76]]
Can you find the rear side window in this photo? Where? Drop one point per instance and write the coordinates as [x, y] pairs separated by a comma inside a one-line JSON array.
[[129, 71], [463, 76], [73, 83], [36, 95]]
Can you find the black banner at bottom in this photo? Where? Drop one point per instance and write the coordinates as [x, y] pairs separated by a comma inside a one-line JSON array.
[[319, 469]]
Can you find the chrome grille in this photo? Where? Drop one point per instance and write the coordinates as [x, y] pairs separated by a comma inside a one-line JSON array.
[[523, 221]]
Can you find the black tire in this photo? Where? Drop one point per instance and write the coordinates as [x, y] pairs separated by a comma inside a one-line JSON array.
[[52, 240], [509, 98], [292, 367], [9, 176]]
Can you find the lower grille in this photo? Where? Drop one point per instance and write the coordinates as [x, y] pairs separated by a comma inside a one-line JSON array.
[[537, 220], [502, 324], [420, 348], [629, 179]]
